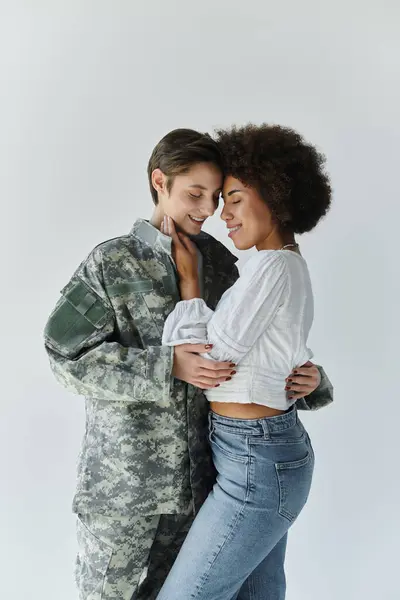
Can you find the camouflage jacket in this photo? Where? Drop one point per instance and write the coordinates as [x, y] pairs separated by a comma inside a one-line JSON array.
[[145, 448]]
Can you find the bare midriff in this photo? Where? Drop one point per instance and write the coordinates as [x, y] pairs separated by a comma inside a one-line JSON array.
[[234, 410]]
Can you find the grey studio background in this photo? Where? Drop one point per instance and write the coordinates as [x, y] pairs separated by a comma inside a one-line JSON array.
[[87, 89]]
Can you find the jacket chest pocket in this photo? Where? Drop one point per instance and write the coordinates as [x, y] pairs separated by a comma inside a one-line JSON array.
[[159, 301], [146, 305]]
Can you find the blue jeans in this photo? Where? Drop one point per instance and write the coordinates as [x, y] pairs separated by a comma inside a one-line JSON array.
[[235, 549]]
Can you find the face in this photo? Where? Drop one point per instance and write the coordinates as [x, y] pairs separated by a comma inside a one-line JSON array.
[[247, 216], [193, 198]]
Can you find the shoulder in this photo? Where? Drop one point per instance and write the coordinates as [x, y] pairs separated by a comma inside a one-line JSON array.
[[271, 262], [112, 255], [208, 244], [121, 248]]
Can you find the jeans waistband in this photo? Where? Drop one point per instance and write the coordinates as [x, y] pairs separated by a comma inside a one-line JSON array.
[[266, 425]]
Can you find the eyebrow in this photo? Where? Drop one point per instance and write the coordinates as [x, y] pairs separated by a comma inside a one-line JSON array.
[[233, 192], [202, 187]]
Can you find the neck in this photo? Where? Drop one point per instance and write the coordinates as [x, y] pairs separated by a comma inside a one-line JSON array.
[[276, 240], [157, 217]]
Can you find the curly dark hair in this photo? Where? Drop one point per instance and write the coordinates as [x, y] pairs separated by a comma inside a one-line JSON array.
[[287, 171]]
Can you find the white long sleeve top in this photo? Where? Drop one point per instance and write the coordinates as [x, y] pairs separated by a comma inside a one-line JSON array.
[[261, 324]]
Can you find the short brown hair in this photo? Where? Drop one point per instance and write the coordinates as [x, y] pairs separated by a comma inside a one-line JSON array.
[[178, 151]]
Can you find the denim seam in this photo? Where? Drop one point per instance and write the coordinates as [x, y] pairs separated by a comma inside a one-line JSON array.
[[235, 521], [242, 461], [288, 466], [250, 462], [250, 429], [228, 455], [252, 589], [233, 525], [262, 441], [237, 431], [285, 514]]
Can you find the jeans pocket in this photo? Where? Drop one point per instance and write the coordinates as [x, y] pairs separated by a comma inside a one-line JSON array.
[[230, 445], [294, 479], [92, 561]]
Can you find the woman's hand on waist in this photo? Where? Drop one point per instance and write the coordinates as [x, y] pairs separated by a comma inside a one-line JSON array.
[[303, 381]]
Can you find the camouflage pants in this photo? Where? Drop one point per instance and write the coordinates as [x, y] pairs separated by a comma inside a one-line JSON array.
[[127, 558]]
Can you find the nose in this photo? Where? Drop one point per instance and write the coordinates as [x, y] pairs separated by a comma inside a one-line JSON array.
[[208, 207], [226, 215]]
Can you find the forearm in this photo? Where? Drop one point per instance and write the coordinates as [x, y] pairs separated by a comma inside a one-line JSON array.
[[112, 372], [189, 289], [86, 358]]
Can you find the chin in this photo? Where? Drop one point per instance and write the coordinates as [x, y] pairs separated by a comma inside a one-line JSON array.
[[184, 227], [242, 245], [192, 227]]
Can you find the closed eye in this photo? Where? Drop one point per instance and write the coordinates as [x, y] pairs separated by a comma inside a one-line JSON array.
[[194, 196]]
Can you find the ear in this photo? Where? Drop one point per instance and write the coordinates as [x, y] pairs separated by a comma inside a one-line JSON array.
[[159, 181]]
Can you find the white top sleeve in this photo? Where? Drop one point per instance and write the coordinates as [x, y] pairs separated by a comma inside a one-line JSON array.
[[242, 315]]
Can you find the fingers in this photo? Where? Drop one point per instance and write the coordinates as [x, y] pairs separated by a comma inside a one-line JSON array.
[[300, 388], [205, 362], [179, 238], [301, 383], [214, 366], [199, 371], [203, 384], [305, 372], [207, 383], [295, 391], [187, 242], [183, 237], [171, 226], [296, 396], [195, 348], [302, 380], [169, 229], [165, 226], [221, 374]]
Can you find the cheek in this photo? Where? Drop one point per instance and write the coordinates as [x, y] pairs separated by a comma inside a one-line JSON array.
[[249, 216], [258, 223], [177, 206]]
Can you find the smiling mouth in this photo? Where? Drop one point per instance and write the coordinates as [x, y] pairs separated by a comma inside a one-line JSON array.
[[198, 220], [233, 230]]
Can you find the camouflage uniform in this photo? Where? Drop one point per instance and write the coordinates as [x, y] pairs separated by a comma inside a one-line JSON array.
[[145, 466]]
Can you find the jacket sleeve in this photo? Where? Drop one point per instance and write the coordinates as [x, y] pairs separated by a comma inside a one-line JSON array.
[[243, 313], [84, 355]]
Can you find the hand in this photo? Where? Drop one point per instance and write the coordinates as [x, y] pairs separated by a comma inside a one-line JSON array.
[[199, 371], [183, 251], [303, 381]]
